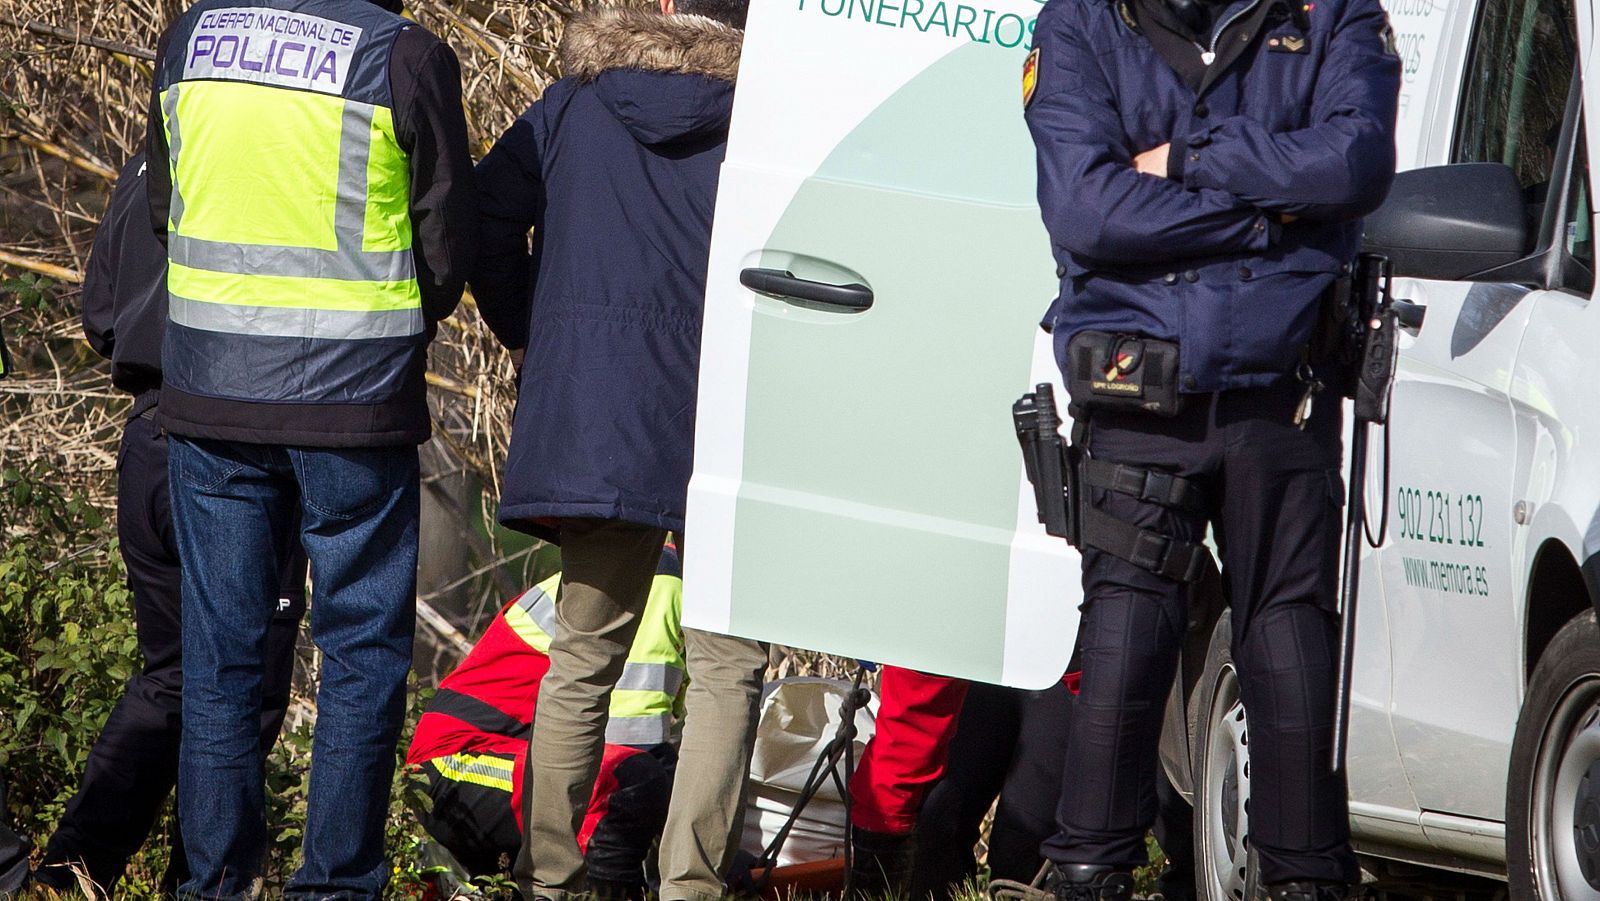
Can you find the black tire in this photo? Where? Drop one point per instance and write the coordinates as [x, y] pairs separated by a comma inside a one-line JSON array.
[[1554, 782], [1226, 868]]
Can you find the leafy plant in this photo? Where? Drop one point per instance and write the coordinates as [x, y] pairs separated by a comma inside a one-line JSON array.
[[32, 292], [66, 639], [67, 646]]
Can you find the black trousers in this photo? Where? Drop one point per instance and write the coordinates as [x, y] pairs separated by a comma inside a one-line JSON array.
[[134, 763], [1011, 743], [13, 851], [1274, 496]]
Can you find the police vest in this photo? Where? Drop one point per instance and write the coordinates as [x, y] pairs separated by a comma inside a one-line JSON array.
[[644, 703], [291, 278]]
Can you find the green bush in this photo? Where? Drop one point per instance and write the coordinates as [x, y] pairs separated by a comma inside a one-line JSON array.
[[67, 643], [66, 639], [67, 646]]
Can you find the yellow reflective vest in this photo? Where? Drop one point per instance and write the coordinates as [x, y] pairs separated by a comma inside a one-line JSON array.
[[291, 278]]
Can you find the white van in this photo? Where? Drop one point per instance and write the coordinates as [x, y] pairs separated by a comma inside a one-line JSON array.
[[877, 275]]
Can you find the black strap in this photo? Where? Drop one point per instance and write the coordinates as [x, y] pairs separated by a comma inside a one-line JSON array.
[[1151, 485], [1181, 561]]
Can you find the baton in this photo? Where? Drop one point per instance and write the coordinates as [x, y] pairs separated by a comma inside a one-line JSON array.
[[1349, 587]]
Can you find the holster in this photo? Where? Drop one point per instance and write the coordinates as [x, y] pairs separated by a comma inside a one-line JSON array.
[[1359, 330], [1380, 345], [1061, 472], [1051, 464], [1337, 338]]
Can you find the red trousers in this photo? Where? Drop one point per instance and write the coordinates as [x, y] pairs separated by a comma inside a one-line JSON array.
[[917, 715]]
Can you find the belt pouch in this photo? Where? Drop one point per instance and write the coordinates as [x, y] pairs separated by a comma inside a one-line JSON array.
[[1124, 373]]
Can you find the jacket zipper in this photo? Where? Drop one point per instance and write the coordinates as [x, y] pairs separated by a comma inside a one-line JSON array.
[[1208, 56]]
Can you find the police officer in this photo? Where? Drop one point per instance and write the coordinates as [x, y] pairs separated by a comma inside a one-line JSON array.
[[1203, 170], [134, 763], [311, 179]]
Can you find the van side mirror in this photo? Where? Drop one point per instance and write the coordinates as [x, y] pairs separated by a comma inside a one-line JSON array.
[[1451, 223]]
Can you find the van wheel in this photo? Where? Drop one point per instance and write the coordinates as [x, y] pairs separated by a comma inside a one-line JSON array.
[[1553, 789], [1227, 867]]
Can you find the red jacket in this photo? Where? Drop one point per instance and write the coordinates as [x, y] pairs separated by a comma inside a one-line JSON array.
[[485, 707]]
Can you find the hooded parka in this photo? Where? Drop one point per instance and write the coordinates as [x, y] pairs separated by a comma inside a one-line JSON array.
[[615, 171]]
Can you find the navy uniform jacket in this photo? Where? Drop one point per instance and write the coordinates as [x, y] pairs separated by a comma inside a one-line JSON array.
[[1282, 154], [125, 290]]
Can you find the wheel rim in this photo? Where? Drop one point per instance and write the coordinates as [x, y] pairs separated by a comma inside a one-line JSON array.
[[1227, 780], [1566, 797]]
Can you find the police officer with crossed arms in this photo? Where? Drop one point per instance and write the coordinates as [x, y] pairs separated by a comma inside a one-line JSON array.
[[1203, 169]]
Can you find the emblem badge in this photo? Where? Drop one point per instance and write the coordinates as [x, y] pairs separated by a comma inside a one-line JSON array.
[[1030, 77], [1125, 363], [1287, 43]]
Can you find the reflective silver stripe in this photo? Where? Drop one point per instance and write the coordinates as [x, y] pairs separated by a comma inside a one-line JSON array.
[[639, 730], [294, 322], [174, 145], [452, 764], [355, 150], [662, 677], [538, 605], [294, 262]]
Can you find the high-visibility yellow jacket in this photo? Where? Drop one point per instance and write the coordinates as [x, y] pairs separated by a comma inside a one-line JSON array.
[[291, 275]]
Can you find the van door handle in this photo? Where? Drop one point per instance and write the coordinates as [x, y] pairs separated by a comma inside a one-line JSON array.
[[784, 285]]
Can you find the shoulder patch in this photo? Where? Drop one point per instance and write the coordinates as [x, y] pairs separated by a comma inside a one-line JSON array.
[[1030, 77]]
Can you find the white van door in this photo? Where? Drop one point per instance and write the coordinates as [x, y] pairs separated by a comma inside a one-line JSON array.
[[1452, 567], [878, 272]]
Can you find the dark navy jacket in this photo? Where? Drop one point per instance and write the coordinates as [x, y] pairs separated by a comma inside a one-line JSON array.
[[125, 289], [615, 170], [1284, 152]]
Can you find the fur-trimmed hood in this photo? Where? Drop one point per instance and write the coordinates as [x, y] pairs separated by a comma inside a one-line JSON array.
[[616, 37], [667, 79]]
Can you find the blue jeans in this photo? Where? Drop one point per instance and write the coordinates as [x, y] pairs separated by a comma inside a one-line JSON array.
[[234, 505]]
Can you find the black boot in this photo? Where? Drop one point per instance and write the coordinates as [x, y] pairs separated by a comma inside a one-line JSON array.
[[1311, 890], [1176, 883], [1088, 882], [881, 864]]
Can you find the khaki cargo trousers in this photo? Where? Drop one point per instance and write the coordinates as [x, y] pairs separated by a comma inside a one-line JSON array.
[[607, 569]]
